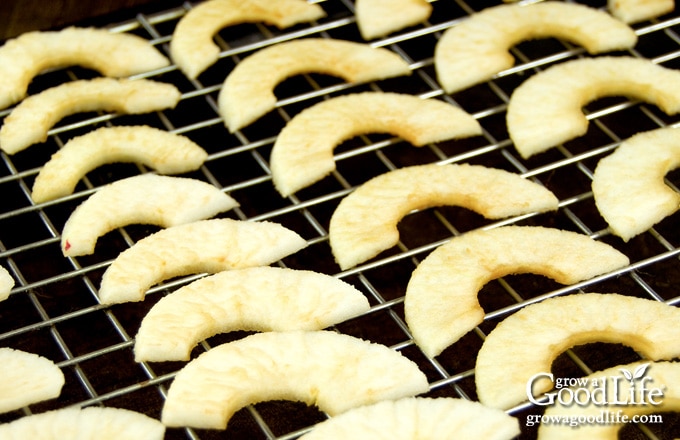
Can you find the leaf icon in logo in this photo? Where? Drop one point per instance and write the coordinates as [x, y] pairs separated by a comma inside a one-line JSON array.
[[637, 374], [640, 371], [627, 374]]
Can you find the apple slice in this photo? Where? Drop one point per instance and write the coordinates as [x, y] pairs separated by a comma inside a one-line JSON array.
[[378, 18], [209, 246], [634, 11], [30, 121], [27, 378], [526, 343], [192, 47], [365, 222], [537, 124], [147, 199], [441, 302], [477, 48], [6, 283], [303, 151], [418, 418], [165, 152], [91, 423], [248, 91], [112, 54], [333, 371], [629, 187], [258, 298]]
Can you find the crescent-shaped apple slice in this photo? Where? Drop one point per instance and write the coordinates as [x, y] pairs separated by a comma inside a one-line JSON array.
[[333, 371], [441, 297], [478, 48], [202, 246], [653, 385], [378, 18], [111, 54], [192, 47], [365, 222], [537, 124], [650, 327], [634, 11], [6, 283], [27, 378], [146, 199], [628, 185], [31, 120], [254, 299], [418, 418], [167, 153], [248, 91], [303, 151], [101, 423]]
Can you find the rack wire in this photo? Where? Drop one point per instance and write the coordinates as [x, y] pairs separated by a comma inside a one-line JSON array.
[[54, 311]]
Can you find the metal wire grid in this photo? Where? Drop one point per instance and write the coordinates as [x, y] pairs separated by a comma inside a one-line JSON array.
[[53, 310]]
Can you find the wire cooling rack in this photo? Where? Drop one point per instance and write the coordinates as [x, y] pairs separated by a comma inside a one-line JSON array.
[[54, 311]]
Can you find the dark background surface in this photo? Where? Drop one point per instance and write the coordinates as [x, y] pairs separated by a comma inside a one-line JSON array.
[[17, 16]]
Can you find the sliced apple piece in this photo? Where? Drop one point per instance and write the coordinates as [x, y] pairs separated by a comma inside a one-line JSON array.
[[248, 91], [192, 47], [112, 54], [478, 48], [203, 246], [6, 283], [27, 378], [333, 371], [441, 302], [650, 327], [91, 423], [165, 152], [258, 298], [146, 199], [303, 151], [365, 222], [634, 11], [418, 418], [537, 124], [30, 121], [628, 185], [378, 18]]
